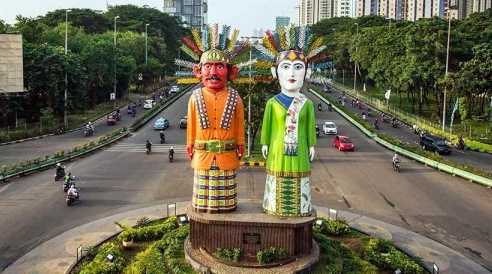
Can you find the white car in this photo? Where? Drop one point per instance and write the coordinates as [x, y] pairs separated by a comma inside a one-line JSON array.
[[173, 90], [149, 103], [329, 128]]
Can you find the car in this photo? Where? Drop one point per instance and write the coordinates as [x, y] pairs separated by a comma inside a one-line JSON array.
[[343, 143], [435, 144], [148, 104], [161, 123], [329, 128], [173, 90], [111, 120], [183, 122]]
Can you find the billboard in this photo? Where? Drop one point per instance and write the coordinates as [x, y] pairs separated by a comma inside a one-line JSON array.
[[11, 65]]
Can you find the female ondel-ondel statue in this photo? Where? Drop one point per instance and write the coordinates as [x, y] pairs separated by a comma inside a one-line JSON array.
[[215, 128], [288, 134]]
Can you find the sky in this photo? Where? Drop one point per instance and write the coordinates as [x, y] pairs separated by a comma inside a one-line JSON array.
[[247, 15]]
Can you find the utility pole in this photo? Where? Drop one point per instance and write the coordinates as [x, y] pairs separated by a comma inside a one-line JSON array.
[[447, 68], [114, 61], [146, 44], [355, 63], [65, 103]]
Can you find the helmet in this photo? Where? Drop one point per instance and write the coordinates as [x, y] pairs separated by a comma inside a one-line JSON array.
[[58, 164], [171, 147], [90, 123]]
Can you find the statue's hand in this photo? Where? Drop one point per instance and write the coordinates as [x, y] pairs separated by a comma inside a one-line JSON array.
[[240, 151], [264, 151], [189, 151], [312, 152]]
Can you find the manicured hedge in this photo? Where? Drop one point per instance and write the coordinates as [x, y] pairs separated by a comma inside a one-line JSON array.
[[102, 265]]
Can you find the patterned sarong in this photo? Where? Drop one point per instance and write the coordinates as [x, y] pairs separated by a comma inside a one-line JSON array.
[[287, 196], [214, 190]]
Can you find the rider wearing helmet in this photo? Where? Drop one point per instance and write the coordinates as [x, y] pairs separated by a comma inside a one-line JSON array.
[[395, 158]]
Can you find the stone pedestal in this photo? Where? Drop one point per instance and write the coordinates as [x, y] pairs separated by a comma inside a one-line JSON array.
[[251, 230]]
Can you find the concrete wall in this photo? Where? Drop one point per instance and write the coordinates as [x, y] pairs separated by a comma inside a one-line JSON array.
[[11, 65]]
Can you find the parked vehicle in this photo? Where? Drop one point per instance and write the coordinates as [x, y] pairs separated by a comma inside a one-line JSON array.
[[174, 90], [435, 144], [343, 143], [110, 120], [183, 122], [329, 128], [161, 123]]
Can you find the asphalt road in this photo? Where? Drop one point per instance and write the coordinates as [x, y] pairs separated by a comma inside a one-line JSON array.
[[122, 177], [404, 133], [49, 145]]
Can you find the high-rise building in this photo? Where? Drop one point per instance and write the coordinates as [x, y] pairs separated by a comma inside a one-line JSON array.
[[367, 7], [312, 11], [281, 21], [191, 12], [346, 8]]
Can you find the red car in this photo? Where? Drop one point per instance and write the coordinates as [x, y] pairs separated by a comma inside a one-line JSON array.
[[343, 143], [111, 120]]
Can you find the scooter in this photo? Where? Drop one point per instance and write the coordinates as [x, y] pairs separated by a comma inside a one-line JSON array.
[[88, 132], [148, 150], [59, 176], [171, 156]]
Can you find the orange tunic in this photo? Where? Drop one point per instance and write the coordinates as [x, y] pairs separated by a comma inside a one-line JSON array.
[[215, 103]]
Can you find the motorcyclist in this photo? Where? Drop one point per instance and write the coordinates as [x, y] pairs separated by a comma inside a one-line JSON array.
[[171, 153], [148, 145], [320, 107], [89, 127], [73, 192], [396, 160], [162, 136], [461, 143], [60, 171], [67, 178]]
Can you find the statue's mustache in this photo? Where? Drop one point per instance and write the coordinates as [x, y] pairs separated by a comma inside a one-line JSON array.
[[214, 77]]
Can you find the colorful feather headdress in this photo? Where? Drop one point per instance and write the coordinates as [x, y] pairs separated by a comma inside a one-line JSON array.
[[292, 43], [212, 46]]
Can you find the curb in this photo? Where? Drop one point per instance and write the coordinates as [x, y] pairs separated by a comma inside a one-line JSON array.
[[58, 255], [65, 159], [426, 161]]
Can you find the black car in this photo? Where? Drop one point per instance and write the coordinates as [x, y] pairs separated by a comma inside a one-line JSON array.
[[432, 143]]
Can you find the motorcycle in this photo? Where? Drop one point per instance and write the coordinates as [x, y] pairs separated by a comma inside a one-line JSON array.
[[163, 139], [68, 183], [171, 156], [396, 166], [59, 175], [88, 132], [70, 199], [148, 150]]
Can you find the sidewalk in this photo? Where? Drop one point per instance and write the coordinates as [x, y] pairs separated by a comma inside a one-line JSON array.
[[59, 255], [405, 133]]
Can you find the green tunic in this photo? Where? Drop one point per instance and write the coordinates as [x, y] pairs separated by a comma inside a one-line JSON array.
[[272, 134]]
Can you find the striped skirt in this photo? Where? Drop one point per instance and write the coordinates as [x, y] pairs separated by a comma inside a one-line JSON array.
[[214, 190]]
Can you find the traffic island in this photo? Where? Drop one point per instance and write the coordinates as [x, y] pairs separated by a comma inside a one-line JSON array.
[[345, 240]]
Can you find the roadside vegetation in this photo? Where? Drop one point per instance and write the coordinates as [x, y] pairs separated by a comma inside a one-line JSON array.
[[92, 63], [409, 58]]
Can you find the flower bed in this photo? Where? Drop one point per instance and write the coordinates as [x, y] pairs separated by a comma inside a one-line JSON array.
[[159, 249]]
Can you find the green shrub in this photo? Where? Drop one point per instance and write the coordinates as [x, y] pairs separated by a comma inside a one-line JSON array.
[[333, 227], [143, 221], [148, 261], [171, 246], [101, 265], [270, 255], [148, 233], [383, 254], [228, 254]]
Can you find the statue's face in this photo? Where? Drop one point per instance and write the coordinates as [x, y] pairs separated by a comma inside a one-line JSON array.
[[291, 75], [214, 75]]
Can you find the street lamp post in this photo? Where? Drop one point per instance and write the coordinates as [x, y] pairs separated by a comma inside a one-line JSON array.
[[146, 44], [65, 116], [447, 68], [355, 63], [114, 61]]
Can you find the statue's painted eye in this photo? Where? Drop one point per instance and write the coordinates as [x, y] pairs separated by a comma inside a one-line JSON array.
[[298, 66]]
